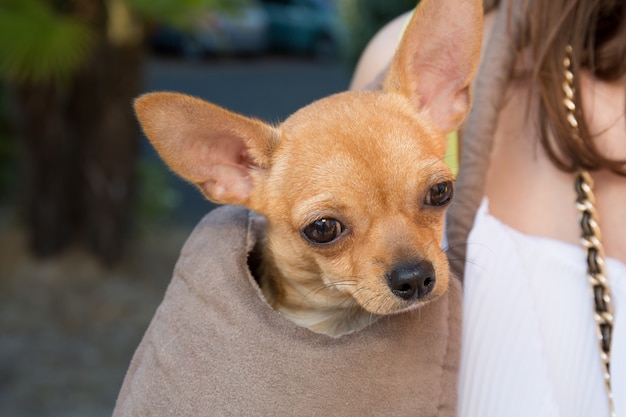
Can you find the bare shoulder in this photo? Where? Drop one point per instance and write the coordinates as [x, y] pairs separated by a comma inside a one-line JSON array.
[[378, 53]]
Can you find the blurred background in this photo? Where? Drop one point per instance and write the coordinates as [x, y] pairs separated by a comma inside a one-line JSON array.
[[91, 221]]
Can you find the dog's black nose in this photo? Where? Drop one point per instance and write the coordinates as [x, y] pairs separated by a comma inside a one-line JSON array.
[[411, 281]]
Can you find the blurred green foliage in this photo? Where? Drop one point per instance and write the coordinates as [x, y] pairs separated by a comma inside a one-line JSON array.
[[364, 18], [180, 13], [41, 43], [37, 44]]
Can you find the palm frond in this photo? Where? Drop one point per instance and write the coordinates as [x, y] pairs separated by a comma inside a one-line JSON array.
[[180, 13], [39, 45]]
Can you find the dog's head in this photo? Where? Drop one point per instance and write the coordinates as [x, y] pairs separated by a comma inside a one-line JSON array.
[[354, 186]]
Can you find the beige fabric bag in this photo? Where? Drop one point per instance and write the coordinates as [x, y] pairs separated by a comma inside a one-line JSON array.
[[216, 348]]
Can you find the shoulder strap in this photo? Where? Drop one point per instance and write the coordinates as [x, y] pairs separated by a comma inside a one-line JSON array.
[[478, 131]]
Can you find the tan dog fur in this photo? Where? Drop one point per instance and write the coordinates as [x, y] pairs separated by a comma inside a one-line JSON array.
[[366, 159]]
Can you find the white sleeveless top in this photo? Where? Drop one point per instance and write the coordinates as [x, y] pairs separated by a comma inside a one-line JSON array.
[[529, 344]]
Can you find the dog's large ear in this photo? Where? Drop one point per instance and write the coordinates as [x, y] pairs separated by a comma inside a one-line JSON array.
[[437, 58], [207, 145]]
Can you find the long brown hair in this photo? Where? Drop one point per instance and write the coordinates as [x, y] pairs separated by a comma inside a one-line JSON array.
[[596, 31]]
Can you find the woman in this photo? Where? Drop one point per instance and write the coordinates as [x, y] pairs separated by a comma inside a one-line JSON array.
[[549, 107]]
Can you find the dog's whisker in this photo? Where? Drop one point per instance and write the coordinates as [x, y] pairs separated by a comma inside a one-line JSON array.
[[332, 285], [336, 284], [370, 301]]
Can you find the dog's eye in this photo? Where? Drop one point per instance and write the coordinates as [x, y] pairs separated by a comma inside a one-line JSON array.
[[323, 231], [440, 194]]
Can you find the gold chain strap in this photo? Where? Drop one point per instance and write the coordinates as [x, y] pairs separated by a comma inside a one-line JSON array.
[[590, 239]]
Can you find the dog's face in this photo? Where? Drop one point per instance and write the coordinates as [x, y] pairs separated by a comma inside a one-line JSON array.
[[367, 193]]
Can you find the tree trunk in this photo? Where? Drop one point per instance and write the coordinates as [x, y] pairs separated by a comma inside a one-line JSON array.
[[80, 145], [108, 137], [45, 154]]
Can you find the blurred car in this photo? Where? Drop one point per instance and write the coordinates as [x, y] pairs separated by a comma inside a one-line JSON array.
[[304, 27], [241, 31]]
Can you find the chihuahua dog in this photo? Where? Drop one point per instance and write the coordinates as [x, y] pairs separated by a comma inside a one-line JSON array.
[[353, 186]]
